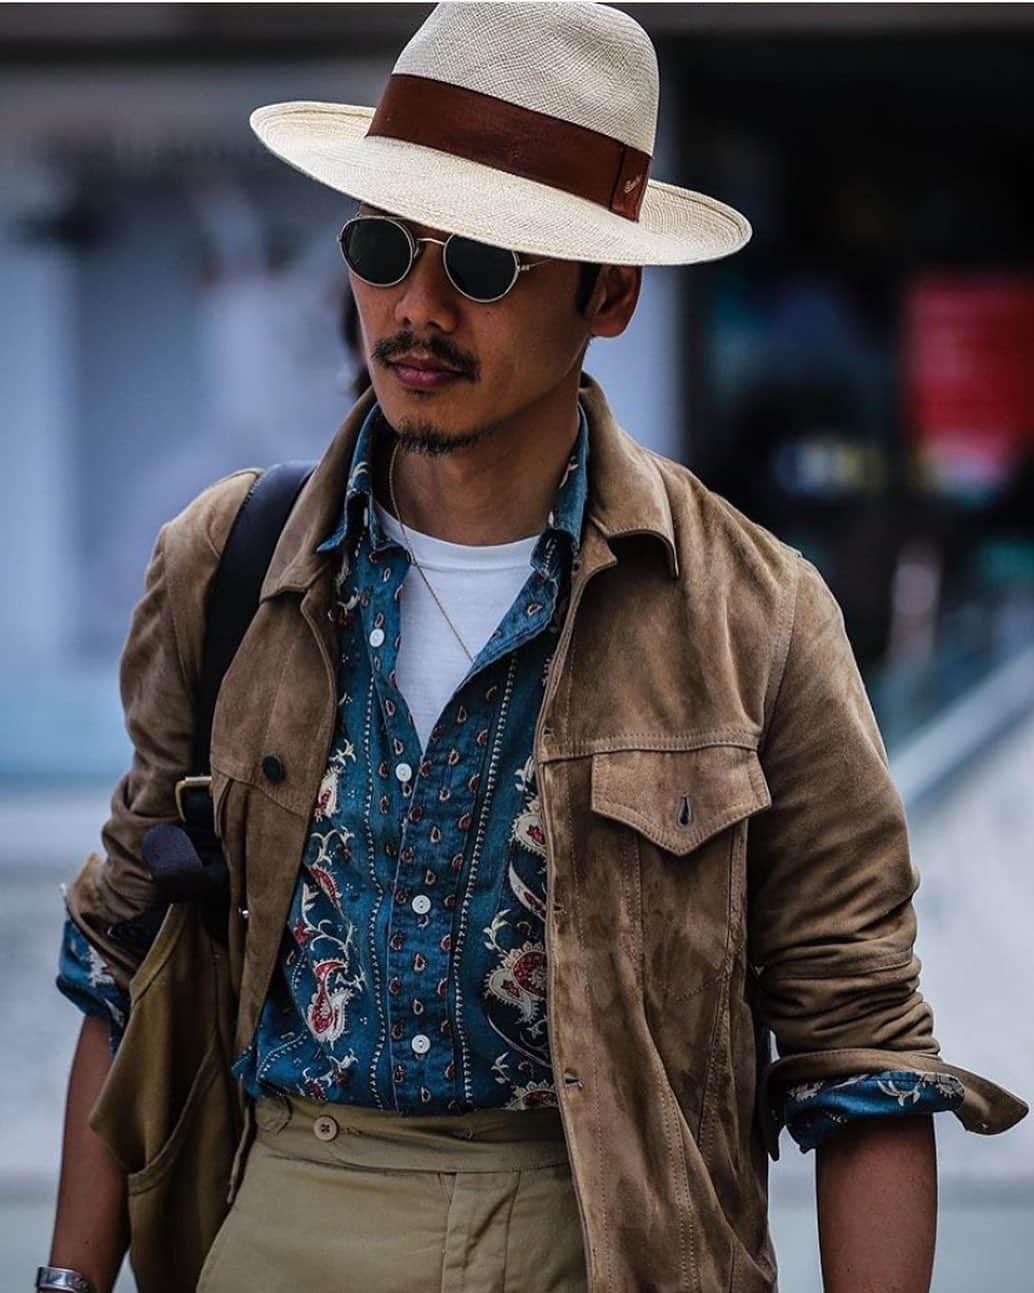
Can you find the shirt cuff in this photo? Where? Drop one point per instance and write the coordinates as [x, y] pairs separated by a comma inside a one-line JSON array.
[[87, 982], [812, 1111], [986, 1108]]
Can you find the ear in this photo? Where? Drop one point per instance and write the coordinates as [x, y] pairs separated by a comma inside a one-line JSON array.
[[614, 299]]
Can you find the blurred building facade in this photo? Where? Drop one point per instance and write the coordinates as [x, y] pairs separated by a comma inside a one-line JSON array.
[[859, 378]]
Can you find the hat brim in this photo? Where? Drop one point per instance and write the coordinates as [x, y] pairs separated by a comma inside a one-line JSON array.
[[328, 142]]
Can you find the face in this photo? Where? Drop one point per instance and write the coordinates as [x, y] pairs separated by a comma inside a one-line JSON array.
[[511, 356]]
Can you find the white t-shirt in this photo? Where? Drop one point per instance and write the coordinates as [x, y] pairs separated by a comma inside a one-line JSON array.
[[477, 585]]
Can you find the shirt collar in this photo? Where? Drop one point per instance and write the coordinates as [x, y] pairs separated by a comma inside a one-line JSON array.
[[357, 509]]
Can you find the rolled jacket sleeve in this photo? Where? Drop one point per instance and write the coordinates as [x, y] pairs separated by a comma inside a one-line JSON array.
[[831, 925]]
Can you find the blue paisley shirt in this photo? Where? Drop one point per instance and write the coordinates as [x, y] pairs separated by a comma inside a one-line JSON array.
[[412, 969]]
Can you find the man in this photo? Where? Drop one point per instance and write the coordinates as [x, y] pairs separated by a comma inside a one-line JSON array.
[[546, 779]]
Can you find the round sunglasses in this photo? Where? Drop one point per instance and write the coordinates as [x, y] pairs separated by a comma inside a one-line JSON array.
[[381, 251]]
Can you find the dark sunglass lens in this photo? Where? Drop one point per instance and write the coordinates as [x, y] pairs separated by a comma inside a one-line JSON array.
[[377, 250], [479, 270]]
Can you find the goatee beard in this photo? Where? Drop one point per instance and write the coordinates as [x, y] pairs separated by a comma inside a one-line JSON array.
[[417, 435]]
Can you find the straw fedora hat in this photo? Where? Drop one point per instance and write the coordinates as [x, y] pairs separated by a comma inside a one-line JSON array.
[[530, 126]]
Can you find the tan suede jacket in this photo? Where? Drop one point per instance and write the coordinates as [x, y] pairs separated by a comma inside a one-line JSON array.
[[727, 853]]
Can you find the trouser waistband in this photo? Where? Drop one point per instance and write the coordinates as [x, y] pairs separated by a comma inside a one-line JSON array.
[[485, 1140]]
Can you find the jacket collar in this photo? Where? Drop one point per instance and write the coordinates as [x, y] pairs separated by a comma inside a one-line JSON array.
[[626, 494], [296, 561]]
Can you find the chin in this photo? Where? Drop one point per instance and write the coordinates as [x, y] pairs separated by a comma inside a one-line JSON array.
[[430, 436]]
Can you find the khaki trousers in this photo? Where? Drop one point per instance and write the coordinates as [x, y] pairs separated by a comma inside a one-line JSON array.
[[353, 1200]]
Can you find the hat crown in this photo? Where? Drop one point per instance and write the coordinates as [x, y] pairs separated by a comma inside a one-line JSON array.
[[584, 63]]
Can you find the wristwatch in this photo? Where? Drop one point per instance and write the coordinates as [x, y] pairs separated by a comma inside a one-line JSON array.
[[62, 1277]]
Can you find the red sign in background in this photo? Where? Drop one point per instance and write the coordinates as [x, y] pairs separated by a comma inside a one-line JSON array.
[[969, 354]]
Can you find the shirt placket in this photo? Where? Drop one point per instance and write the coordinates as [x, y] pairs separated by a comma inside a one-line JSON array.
[[434, 798], [429, 799]]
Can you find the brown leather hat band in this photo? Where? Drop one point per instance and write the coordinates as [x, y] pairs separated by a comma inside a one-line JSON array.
[[510, 138]]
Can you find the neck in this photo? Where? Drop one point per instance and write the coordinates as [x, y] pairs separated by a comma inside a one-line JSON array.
[[497, 490]]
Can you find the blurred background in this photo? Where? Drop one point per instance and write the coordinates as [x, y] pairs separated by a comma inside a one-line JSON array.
[[860, 379]]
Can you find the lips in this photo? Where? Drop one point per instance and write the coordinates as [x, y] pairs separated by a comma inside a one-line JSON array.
[[418, 373], [423, 365]]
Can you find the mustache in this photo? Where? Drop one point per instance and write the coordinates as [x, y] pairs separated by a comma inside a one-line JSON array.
[[437, 347]]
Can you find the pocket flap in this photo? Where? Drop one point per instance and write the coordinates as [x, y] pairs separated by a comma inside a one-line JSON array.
[[679, 798]]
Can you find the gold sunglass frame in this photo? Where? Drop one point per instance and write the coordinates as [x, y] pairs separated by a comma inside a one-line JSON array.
[[416, 248]]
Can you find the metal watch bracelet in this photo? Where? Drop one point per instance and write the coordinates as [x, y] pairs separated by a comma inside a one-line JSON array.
[[62, 1277]]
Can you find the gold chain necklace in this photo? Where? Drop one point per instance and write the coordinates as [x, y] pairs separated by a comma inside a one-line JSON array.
[[409, 550]]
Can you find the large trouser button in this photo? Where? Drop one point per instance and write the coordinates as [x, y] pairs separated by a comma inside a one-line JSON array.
[[325, 1127]]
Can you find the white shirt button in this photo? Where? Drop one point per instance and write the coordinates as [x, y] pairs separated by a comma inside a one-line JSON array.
[[421, 1044], [404, 772], [376, 637], [421, 904]]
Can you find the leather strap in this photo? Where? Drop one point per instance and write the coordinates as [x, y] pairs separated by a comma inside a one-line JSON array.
[[514, 139]]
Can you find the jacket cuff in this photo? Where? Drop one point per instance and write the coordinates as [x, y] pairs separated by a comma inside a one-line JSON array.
[[813, 1111], [986, 1108]]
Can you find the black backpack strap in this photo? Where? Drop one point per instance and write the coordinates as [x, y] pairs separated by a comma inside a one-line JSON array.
[[234, 595], [186, 861]]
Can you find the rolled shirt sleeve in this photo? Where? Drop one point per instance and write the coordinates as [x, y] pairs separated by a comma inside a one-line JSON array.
[[85, 979], [832, 927], [813, 1111]]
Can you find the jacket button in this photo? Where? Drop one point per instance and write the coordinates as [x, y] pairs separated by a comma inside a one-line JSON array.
[[273, 767], [325, 1127]]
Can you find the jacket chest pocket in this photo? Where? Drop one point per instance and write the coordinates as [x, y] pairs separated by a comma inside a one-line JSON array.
[[684, 814]]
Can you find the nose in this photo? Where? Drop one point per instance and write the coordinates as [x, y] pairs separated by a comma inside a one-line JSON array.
[[426, 298]]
